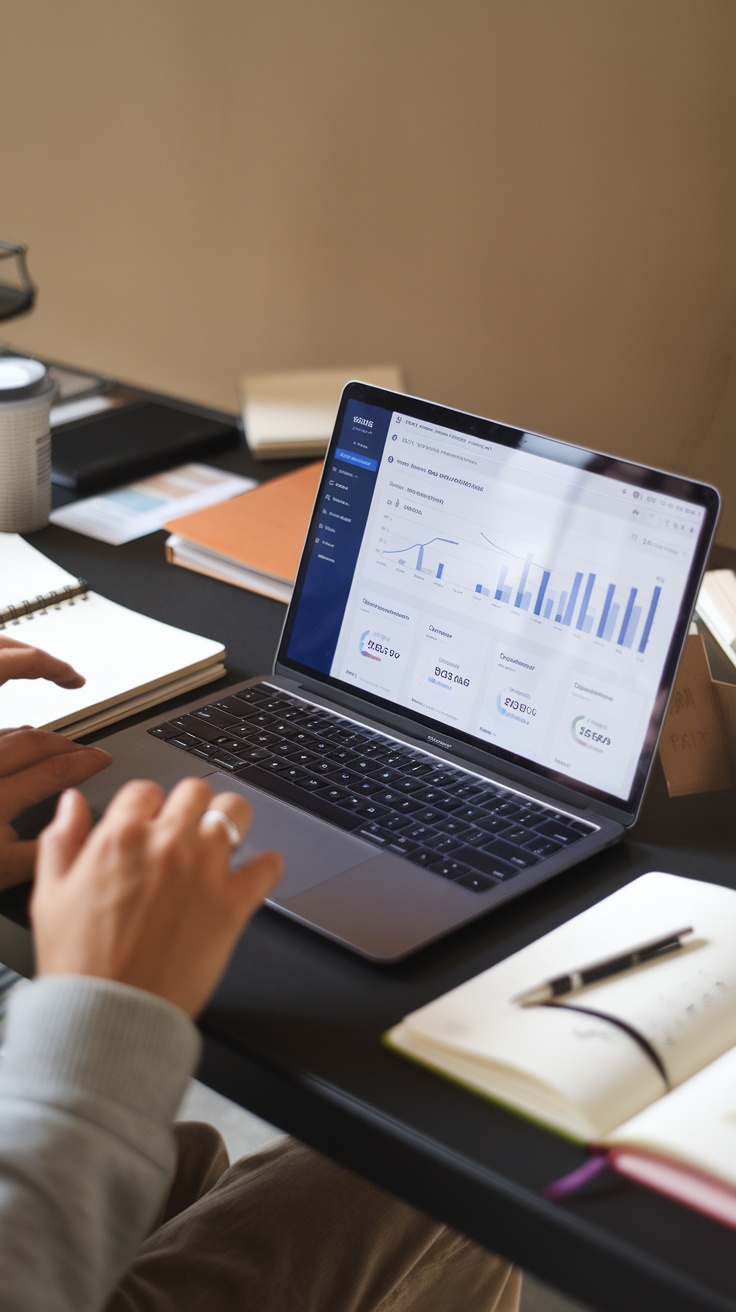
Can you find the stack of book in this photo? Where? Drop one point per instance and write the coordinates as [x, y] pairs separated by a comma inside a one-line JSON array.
[[292, 414], [253, 540]]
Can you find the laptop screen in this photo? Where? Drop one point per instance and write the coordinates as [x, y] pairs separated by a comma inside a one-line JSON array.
[[524, 595]]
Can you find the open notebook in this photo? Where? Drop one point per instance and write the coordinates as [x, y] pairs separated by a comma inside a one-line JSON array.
[[642, 1064], [130, 662]]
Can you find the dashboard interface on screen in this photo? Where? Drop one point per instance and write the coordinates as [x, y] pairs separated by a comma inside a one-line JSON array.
[[527, 603]]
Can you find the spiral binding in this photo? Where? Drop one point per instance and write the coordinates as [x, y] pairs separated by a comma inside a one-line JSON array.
[[43, 602]]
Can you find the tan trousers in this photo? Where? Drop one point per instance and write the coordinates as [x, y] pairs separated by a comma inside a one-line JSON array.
[[285, 1230]]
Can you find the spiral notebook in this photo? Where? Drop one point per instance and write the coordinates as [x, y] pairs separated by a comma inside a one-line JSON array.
[[130, 662]]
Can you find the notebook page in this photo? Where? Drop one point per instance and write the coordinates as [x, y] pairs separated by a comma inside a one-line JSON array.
[[116, 649], [695, 1124], [24, 574]]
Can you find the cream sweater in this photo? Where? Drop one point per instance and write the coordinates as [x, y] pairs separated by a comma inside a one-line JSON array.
[[91, 1076]]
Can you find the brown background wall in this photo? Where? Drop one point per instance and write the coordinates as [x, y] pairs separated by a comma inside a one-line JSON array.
[[528, 204]]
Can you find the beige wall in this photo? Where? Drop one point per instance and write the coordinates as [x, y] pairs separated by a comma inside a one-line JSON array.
[[529, 204]]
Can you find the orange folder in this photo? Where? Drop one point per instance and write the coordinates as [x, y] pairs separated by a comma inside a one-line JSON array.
[[255, 539]]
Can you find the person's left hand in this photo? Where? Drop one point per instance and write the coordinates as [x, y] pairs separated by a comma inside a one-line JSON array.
[[34, 763], [19, 661]]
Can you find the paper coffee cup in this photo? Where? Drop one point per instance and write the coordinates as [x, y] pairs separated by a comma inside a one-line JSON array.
[[26, 393]]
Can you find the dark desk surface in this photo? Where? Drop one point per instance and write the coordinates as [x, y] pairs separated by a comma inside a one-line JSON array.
[[294, 1032]]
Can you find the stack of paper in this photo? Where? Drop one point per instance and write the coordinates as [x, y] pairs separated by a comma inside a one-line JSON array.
[[292, 414], [716, 607], [143, 507]]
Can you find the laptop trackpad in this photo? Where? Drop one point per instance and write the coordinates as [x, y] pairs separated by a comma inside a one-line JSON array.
[[313, 850]]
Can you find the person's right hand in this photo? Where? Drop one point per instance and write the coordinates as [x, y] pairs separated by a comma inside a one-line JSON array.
[[148, 898]]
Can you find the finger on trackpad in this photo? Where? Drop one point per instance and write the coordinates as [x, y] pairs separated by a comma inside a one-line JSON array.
[[312, 849]]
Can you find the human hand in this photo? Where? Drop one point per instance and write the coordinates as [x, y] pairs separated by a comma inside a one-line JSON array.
[[35, 764], [149, 897], [19, 661]]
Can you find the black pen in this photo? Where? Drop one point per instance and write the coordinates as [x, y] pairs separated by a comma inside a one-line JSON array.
[[598, 970]]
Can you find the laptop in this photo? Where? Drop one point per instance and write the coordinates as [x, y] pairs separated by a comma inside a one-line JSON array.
[[472, 676]]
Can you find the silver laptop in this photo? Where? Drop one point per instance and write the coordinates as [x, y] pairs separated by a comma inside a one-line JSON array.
[[471, 680]]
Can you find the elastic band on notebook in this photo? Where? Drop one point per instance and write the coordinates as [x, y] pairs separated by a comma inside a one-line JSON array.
[[641, 1039]]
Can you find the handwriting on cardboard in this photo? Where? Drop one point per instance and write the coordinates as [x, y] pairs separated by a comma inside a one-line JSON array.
[[694, 747]]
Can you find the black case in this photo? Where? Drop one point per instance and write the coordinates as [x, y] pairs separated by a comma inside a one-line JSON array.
[[132, 441]]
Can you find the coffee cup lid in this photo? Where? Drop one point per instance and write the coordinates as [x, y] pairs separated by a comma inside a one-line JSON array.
[[21, 378]]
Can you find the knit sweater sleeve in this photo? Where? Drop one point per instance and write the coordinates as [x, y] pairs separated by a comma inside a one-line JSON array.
[[91, 1075]]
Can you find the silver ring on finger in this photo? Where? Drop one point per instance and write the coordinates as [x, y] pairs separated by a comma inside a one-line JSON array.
[[214, 817]]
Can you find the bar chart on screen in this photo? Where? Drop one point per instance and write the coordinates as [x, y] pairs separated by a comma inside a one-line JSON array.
[[553, 585]]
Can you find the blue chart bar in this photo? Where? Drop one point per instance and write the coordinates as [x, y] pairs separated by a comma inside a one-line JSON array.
[[420, 568], [633, 626], [650, 618], [479, 587], [584, 607], [522, 582], [548, 607], [561, 609], [525, 601], [439, 571], [573, 599], [542, 590], [501, 581], [604, 613], [611, 622], [627, 617]]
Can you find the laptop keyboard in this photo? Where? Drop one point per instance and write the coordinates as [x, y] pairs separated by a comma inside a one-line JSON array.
[[450, 821]]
